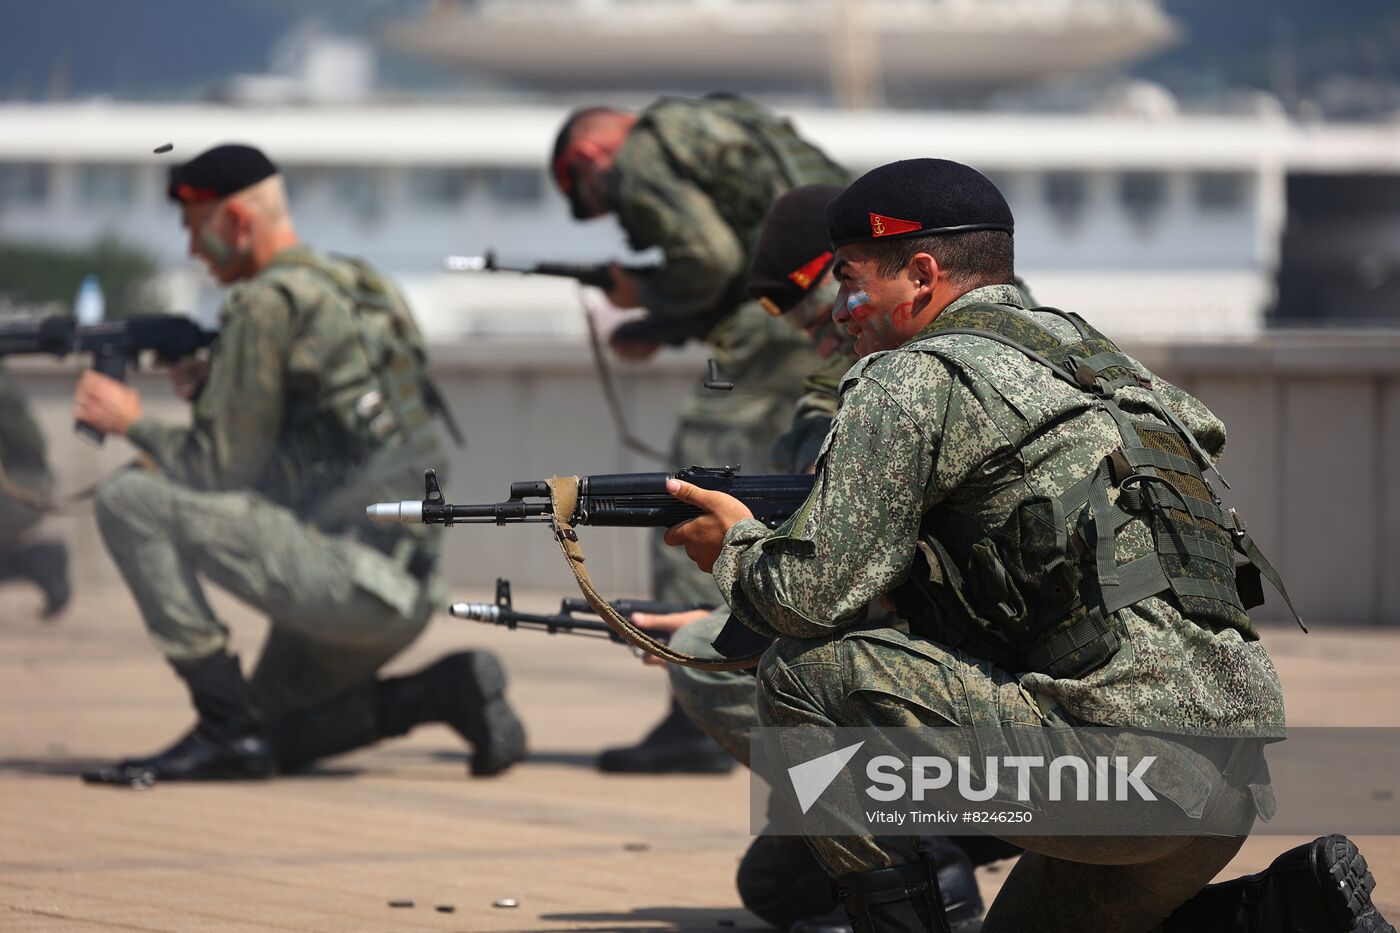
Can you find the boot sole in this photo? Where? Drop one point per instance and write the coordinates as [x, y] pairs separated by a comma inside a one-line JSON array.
[[1337, 858]]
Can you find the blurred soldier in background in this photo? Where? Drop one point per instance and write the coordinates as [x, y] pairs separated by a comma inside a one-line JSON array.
[[694, 178], [25, 486], [314, 401]]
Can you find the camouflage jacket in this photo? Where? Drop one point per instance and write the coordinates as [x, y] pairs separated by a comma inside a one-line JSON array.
[[289, 377], [796, 450], [915, 430], [695, 178]]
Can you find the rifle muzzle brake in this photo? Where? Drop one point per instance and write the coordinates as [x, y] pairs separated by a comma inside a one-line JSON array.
[[407, 512], [477, 612]]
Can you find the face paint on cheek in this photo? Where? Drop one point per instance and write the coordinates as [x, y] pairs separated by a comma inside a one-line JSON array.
[[858, 306]]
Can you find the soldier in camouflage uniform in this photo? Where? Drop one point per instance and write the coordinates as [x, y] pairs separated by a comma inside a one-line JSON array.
[[315, 401], [778, 879], [694, 178], [951, 437], [25, 486]]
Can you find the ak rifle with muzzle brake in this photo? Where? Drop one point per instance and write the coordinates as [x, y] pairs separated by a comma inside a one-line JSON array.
[[566, 621], [627, 500], [596, 274], [617, 500], [113, 344]]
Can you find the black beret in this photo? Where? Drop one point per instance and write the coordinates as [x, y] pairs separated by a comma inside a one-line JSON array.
[[793, 251], [217, 173], [917, 197]]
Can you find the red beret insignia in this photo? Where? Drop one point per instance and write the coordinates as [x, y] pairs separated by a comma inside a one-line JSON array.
[[881, 225], [804, 276]]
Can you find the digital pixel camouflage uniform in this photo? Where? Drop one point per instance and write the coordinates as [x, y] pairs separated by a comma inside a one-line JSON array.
[[919, 429], [723, 703], [306, 417], [695, 178]]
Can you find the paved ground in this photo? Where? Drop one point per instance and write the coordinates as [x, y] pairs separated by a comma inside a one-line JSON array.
[[328, 852]]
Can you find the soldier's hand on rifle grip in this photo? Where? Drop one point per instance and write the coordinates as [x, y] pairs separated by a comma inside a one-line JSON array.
[[187, 376], [106, 404], [703, 537], [624, 292], [667, 622]]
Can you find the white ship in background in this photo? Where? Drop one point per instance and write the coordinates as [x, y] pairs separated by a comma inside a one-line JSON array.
[[966, 46], [1157, 223]]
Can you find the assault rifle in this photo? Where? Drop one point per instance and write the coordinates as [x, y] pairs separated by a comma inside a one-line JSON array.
[[566, 621], [112, 343], [596, 274], [619, 500]]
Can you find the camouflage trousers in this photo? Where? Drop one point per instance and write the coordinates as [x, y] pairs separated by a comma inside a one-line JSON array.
[[768, 362], [886, 677], [331, 627], [722, 703]]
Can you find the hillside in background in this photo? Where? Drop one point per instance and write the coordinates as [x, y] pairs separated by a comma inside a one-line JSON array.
[[1342, 58]]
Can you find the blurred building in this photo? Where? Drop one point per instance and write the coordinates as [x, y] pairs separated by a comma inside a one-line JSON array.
[[1191, 236], [1166, 225]]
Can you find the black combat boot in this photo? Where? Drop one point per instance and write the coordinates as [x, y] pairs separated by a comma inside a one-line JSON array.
[[903, 899], [674, 746], [957, 882], [1322, 887], [226, 744], [46, 566], [957, 886], [467, 692]]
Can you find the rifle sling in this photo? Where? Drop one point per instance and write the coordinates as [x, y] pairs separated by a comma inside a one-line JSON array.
[[563, 500]]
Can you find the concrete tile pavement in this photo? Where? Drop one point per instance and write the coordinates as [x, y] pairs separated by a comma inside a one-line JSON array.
[[327, 852]]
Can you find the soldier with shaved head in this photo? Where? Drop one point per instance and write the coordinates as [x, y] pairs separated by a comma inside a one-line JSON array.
[[313, 402]]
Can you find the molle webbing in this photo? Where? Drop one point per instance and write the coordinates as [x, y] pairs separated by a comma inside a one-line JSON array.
[[1158, 473], [799, 161], [391, 344]]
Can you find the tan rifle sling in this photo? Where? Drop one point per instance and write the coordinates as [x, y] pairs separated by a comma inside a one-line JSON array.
[[563, 500]]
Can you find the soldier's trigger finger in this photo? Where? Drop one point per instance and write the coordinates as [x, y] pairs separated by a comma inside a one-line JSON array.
[[678, 535]]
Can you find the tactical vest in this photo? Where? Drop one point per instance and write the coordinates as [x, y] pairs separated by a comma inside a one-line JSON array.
[[350, 456], [1039, 593], [799, 162], [393, 407]]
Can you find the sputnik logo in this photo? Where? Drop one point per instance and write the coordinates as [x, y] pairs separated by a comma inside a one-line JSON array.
[[811, 778]]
